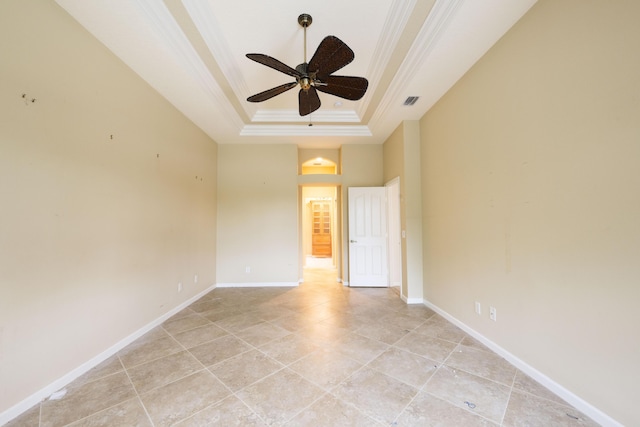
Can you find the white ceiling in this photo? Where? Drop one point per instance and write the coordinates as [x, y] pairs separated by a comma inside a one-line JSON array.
[[193, 53]]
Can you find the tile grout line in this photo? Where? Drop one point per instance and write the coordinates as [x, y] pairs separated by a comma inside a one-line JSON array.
[[144, 407], [506, 407]]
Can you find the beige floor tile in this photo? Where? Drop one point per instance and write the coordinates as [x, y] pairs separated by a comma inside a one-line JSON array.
[[30, 418], [326, 368], [483, 397], [526, 410], [86, 399], [527, 384], [483, 364], [288, 349], [429, 347], [292, 322], [322, 333], [474, 343], [427, 410], [201, 335], [359, 348], [229, 412], [182, 313], [402, 321], [417, 310], [245, 369], [439, 327], [261, 334], [219, 349], [239, 322], [222, 313], [269, 313], [383, 332], [162, 371], [405, 366], [329, 411], [346, 322], [279, 397], [143, 351], [204, 305], [376, 394], [109, 367], [129, 413], [181, 399], [316, 354], [185, 323]]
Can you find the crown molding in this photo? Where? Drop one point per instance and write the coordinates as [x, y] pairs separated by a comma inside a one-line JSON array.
[[399, 15], [304, 130], [165, 26], [436, 23], [293, 116]]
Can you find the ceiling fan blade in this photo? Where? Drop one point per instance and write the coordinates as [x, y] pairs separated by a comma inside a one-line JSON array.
[[273, 63], [331, 55], [347, 87], [270, 93], [308, 101]]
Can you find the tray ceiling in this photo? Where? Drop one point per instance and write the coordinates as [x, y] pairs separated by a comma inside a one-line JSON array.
[[193, 53]]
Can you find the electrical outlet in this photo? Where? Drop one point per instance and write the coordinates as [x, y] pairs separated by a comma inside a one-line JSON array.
[[247, 269], [180, 287], [492, 313], [195, 279], [478, 308]]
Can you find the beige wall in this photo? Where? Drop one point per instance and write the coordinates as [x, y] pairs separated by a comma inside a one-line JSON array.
[[257, 214], [402, 160], [306, 154], [258, 209], [531, 198], [95, 233]]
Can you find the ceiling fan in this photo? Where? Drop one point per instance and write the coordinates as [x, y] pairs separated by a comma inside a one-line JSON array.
[[332, 54]]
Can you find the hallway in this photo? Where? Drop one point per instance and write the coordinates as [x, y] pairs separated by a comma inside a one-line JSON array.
[[320, 354]]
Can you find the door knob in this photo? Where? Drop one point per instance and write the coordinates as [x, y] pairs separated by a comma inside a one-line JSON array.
[[353, 241]]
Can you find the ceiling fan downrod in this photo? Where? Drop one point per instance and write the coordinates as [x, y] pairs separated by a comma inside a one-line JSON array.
[[305, 82], [305, 20]]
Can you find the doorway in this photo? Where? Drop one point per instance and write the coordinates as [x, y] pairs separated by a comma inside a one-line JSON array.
[[319, 227]]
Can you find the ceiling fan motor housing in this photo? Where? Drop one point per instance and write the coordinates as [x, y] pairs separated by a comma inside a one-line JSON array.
[[304, 80]]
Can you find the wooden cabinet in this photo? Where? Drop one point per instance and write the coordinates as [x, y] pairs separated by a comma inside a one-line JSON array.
[[321, 229]]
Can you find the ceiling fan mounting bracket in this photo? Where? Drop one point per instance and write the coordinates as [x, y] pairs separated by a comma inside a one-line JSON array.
[[305, 20]]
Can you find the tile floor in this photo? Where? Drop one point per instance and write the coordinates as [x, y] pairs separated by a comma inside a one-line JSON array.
[[317, 355]]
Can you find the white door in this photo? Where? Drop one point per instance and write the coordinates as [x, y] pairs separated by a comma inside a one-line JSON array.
[[368, 264]]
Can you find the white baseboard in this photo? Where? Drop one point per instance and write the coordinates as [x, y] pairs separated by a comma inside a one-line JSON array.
[[577, 402], [61, 382], [256, 284]]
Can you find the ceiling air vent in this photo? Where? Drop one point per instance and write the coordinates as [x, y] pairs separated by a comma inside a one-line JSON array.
[[411, 100]]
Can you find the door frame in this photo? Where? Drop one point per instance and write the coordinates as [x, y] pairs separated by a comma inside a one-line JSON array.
[[304, 216], [394, 226]]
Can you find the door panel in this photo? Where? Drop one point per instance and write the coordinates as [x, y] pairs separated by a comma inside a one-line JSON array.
[[368, 237]]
